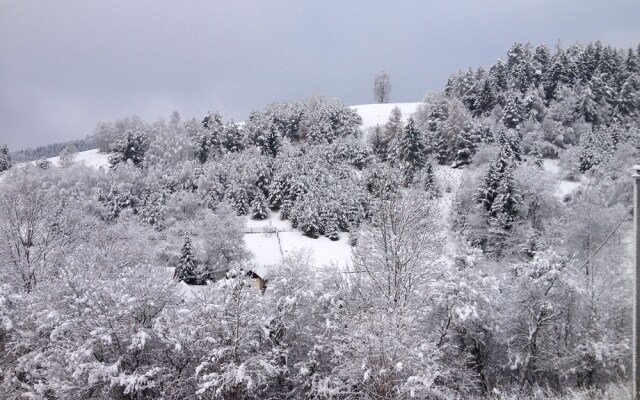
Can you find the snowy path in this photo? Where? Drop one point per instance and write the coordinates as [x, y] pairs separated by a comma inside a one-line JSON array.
[[448, 180]]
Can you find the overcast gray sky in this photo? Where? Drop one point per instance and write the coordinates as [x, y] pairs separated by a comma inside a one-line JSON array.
[[65, 65]]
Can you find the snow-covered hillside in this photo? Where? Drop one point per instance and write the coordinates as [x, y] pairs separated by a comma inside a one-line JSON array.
[[272, 239], [91, 158], [378, 114], [372, 115]]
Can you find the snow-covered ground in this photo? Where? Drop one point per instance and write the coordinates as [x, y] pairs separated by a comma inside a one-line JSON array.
[[378, 114], [564, 187], [269, 247], [448, 180], [271, 224], [91, 158], [264, 247], [324, 252]]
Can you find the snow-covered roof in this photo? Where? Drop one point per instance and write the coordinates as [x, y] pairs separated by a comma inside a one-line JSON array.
[[261, 271]]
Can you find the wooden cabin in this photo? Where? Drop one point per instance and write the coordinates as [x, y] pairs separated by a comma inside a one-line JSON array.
[[259, 277]]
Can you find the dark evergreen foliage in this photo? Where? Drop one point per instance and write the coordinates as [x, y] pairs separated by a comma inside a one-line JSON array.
[[52, 149], [131, 147], [429, 182], [186, 271], [5, 158], [260, 209], [412, 147]]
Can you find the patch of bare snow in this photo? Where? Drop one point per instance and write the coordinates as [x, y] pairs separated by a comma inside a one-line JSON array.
[[324, 252], [378, 114], [270, 224], [564, 187], [551, 165], [271, 239], [91, 158], [264, 247]]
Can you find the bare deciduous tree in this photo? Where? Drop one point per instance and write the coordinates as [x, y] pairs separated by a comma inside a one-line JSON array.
[[382, 87], [396, 250], [68, 156], [36, 229]]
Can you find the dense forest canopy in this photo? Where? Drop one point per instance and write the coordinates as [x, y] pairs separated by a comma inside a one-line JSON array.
[[474, 273]]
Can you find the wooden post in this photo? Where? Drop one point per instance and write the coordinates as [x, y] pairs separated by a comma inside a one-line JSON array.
[[636, 309]]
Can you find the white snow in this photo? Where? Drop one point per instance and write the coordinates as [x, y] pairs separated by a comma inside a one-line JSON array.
[[91, 158], [378, 114], [564, 187], [268, 249], [264, 247], [268, 246], [272, 239], [324, 252], [551, 166], [448, 180], [270, 224]]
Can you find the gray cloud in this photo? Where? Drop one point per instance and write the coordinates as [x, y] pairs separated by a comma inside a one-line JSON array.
[[66, 65]]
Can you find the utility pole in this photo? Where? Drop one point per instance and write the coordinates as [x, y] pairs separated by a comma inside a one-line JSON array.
[[636, 309]]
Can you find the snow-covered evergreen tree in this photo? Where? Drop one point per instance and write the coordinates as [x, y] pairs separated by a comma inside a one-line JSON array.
[[412, 147], [507, 201], [5, 158], [186, 271], [486, 99], [460, 148], [269, 141], [512, 113], [206, 138], [628, 102], [238, 198], [537, 156], [305, 216], [587, 107], [498, 73], [493, 179], [131, 147], [259, 209], [596, 146], [511, 139], [429, 181], [232, 139]]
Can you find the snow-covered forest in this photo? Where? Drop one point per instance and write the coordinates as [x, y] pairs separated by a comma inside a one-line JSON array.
[[474, 226]]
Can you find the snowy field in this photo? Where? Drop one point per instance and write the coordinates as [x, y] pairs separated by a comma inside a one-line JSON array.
[[378, 114], [268, 247], [91, 158], [272, 224]]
